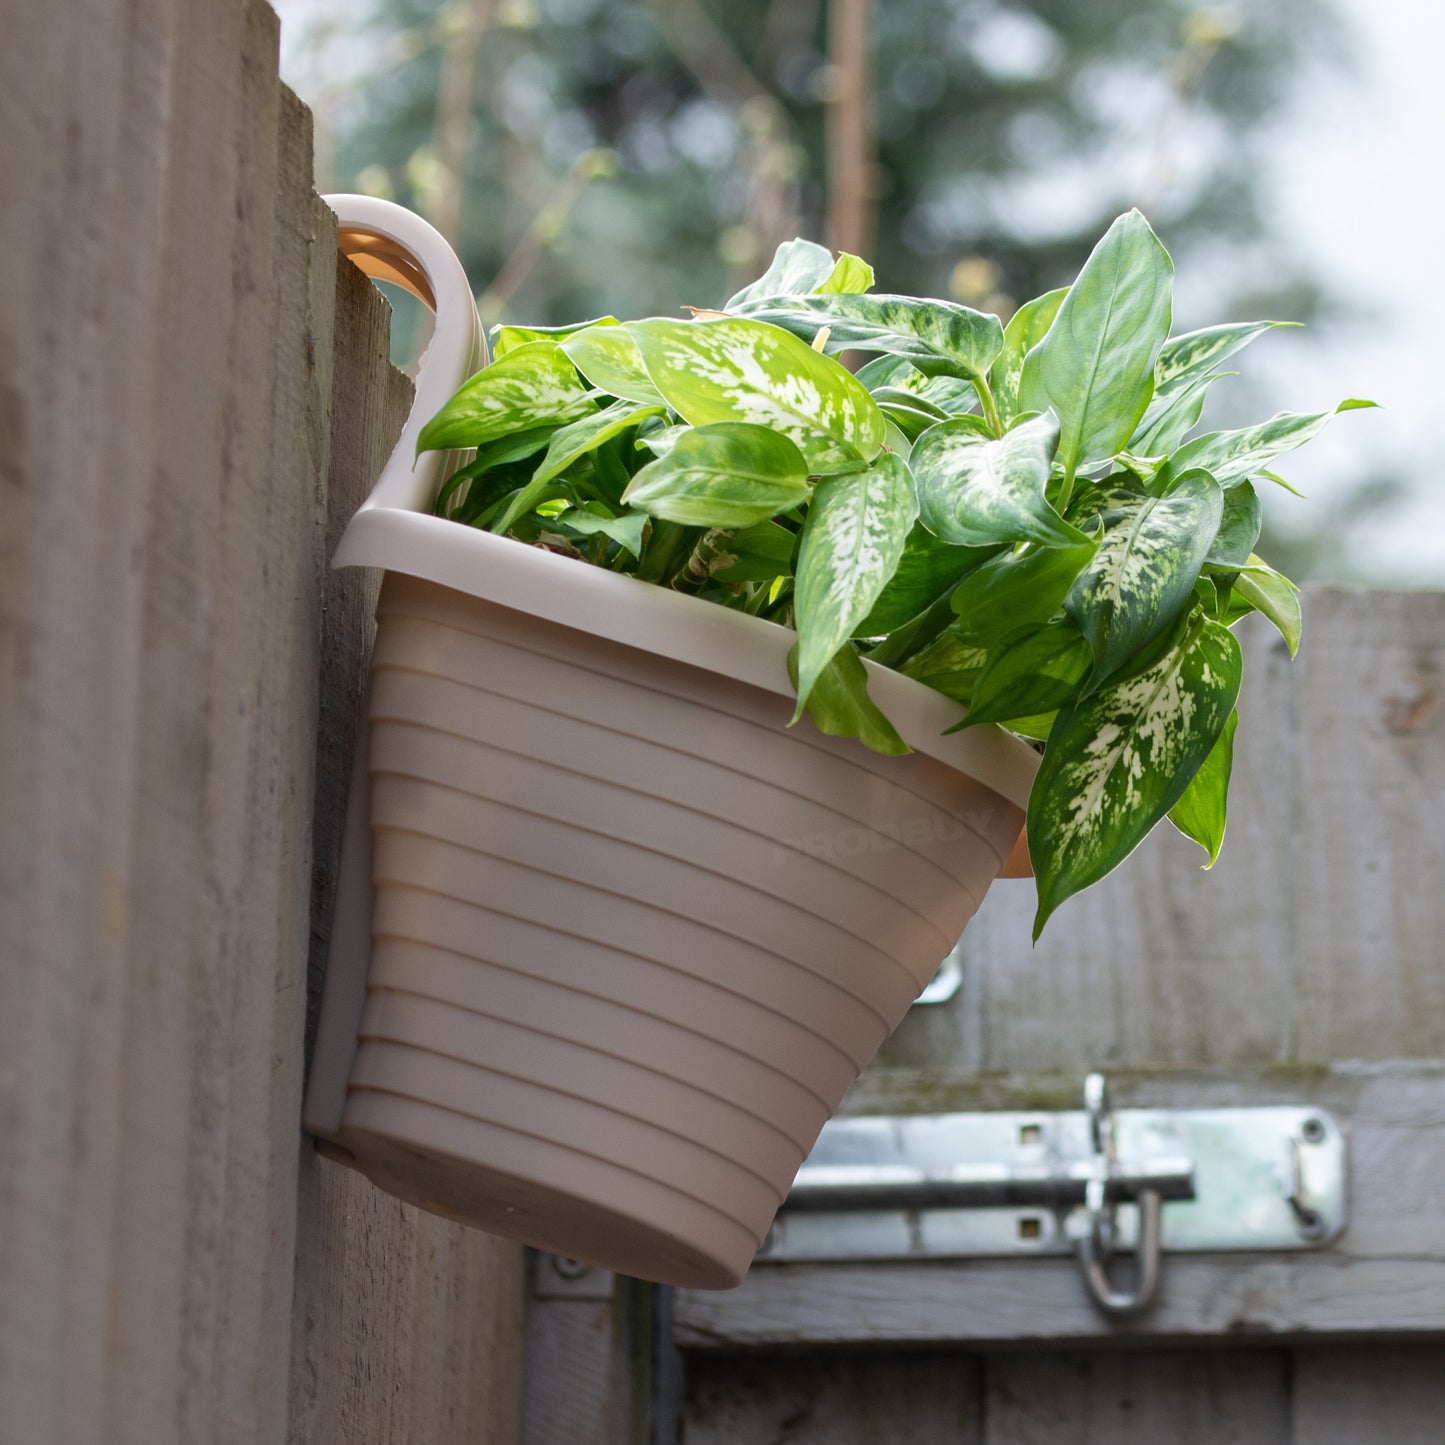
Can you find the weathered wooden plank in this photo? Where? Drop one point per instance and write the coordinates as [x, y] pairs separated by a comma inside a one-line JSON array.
[[1371, 836], [924, 1399], [1215, 1398], [1350, 1393]]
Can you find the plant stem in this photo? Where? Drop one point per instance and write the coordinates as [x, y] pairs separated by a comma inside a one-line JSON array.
[[990, 410]]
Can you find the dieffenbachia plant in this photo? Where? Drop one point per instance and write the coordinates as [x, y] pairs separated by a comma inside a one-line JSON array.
[[1014, 515]]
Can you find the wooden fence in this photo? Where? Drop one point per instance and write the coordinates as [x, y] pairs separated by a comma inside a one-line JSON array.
[[192, 398]]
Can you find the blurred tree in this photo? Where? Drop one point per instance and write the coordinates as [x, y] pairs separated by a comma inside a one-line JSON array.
[[634, 155]]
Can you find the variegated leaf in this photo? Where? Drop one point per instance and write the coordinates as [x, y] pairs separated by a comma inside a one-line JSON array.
[[933, 335], [1095, 367], [1185, 358], [534, 385], [975, 491], [927, 571], [727, 474], [1230, 456], [1275, 596], [1144, 571], [744, 371], [1026, 328], [1117, 762], [1201, 811], [1032, 674], [626, 529], [852, 540], [797, 267], [839, 705], [1170, 418], [950, 664], [1016, 589], [608, 357]]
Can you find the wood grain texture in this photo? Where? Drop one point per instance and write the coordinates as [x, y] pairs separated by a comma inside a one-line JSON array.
[[1222, 1397], [1361, 1392], [836, 1399], [168, 365]]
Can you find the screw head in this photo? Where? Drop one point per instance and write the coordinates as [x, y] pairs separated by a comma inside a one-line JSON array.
[[1313, 1130], [568, 1267]]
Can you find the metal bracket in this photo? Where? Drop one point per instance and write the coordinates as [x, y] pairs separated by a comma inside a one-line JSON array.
[[1106, 1185]]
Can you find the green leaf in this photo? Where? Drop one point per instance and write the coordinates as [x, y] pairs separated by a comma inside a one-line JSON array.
[[1038, 672], [727, 474], [1275, 596], [608, 357], [1200, 812], [950, 664], [744, 371], [797, 266], [852, 540], [850, 276], [588, 433], [839, 705], [1230, 456], [1171, 417], [1018, 588], [1185, 358], [975, 491], [1239, 527], [1144, 571], [758, 553], [533, 386], [509, 338], [1026, 328], [1116, 763], [626, 530], [1095, 367], [932, 335], [927, 569]]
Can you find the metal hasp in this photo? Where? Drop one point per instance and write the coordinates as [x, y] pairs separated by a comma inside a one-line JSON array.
[[1117, 1188]]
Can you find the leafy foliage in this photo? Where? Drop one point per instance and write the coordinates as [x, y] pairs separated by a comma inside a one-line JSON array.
[[982, 509]]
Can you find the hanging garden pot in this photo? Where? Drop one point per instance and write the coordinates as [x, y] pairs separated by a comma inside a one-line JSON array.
[[669, 807], [611, 938]]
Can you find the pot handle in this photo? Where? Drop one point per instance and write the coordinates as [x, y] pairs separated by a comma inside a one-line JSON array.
[[390, 243]]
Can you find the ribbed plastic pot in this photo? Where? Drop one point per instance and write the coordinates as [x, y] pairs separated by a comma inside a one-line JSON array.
[[631, 936]]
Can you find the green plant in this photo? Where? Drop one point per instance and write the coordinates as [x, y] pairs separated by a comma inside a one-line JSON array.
[[1016, 516]]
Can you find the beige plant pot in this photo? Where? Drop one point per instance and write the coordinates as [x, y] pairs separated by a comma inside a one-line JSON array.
[[612, 939]]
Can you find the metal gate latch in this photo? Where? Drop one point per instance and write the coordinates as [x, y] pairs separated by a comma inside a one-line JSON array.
[[1093, 1182]]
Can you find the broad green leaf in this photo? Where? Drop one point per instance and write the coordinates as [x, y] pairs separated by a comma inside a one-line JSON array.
[[852, 540], [757, 553], [1038, 672], [797, 266], [927, 570], [589, 432], [509, 338], [498, 453], [930, 334], [1095, 367], [850, 276], [1200, 812], [950, 664], [1026, 328], [626, 530], [1273, 594], [1018, 588], [839, 705], [727, 474], [662, 441], [1117, 762], [1230, 456], [1171, 417], [1239, 527], [737, 370], [975, 491], [533, 386], [608, 357], [1144, 571], [910, 412]]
